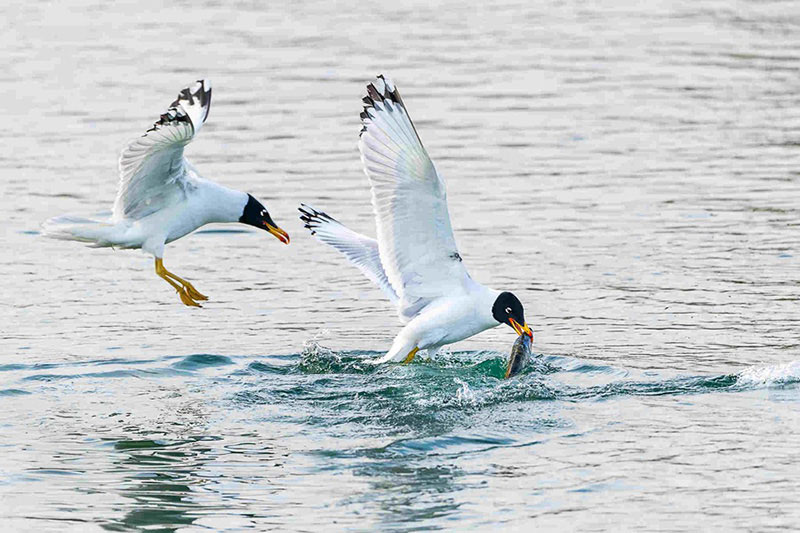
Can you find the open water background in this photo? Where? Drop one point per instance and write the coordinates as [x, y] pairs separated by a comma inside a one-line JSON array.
[[629, 169]]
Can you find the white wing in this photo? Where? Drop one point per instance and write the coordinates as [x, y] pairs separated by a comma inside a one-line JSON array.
[[152, 169], [417, 247], [359, 249]]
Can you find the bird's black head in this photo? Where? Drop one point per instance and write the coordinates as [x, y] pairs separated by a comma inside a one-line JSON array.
[[507, 309], [255, 214]]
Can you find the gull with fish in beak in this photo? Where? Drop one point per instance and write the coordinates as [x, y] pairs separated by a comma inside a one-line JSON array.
[[414, 260]]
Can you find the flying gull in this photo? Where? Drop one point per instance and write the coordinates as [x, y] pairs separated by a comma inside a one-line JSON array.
[[162, 197]]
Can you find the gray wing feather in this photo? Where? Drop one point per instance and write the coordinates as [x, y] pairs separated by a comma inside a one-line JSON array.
[[152, 169], [359, 249], [417, 246]]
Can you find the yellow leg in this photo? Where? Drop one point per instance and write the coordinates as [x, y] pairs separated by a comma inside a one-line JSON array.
[[410, 356], [186, 291]]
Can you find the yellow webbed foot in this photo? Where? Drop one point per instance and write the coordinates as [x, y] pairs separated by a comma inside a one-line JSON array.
[[186, 299], [193, 293]]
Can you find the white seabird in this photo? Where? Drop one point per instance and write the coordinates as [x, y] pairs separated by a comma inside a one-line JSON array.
[[162, 197], [415, 260]]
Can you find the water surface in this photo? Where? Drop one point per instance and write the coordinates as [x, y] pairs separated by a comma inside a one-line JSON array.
[[629, 170]]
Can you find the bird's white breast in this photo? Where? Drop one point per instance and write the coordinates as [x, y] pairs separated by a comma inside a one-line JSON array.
[[454, 318]]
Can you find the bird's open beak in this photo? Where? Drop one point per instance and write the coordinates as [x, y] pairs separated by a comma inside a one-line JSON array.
[[278, 232], [521, 329]]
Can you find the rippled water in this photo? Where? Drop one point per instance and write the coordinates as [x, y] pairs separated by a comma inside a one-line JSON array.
[[629, 170]]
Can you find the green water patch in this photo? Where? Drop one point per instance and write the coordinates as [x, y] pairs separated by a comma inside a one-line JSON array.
[[263, 368], [346, 388], [454, 403], [13, 392], [122, 373], [145, 444], [199, 361], [317, 359], [12, 367], [675, 386], [80, 364]]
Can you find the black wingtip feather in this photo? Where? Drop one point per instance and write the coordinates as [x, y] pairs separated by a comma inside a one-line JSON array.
[[389, 94], [175, 112], [313, 218]]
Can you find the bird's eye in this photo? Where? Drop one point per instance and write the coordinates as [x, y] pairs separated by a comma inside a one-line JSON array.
[[263, 212], [508, 310]]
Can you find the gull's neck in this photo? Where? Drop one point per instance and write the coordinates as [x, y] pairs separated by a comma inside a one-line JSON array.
[[484, 298], [221, 203]]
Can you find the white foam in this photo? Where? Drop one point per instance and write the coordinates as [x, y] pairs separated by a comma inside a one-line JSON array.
[[464, 394], [771, 374]]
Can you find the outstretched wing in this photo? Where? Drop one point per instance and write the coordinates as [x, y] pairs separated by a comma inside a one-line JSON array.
[[359, 249], [417, 247], [152, 168]]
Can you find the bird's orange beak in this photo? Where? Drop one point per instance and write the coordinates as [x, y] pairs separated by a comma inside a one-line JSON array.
[[521, 329], [278, 232]]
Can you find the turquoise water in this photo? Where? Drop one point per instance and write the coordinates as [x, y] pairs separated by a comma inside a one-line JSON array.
[[629, 170], [321, 437]]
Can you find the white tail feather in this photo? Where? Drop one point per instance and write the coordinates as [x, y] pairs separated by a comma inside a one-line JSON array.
[[72, 228]]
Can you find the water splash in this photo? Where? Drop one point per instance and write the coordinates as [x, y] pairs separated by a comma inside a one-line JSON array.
[[770, 375]]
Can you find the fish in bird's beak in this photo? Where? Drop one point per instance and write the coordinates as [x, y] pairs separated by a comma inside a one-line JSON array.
[[278, 232], [521, 329], [520, 354]]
